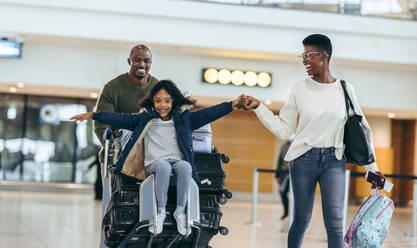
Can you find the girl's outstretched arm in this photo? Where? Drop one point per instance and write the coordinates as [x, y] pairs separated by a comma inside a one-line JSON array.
[[207, 115], [114, 119]]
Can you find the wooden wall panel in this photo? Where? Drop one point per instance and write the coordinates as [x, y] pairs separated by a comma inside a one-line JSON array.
[[248, 143], [403, 143], [407, 159], [396, 144]]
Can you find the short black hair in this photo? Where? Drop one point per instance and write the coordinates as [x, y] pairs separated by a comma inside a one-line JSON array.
[[320, 41], [140, 47], [177, 97]]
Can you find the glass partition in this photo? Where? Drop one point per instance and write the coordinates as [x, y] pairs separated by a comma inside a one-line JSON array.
[[39, 143], [11, 143]]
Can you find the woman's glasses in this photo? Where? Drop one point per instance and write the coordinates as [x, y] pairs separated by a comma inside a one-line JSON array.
[[307, 55]]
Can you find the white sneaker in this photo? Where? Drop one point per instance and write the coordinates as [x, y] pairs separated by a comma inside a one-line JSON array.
[[181, 220], [159, 225]]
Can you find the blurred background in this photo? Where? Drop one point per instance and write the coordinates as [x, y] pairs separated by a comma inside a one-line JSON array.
[[55, 56]]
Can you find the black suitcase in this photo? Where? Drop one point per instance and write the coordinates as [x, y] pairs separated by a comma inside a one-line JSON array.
[[210, 170], [212, 175], [121, 217]]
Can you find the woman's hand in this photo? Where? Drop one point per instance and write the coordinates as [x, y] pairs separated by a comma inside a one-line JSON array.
[[382, 178], [82, 117], [250, 102]]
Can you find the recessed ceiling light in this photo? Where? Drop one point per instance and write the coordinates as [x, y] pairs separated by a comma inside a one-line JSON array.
[[391, 115], [93, 95], [12, 89], [20, 85]]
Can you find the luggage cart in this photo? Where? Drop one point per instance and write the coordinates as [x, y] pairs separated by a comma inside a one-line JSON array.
[[132, 208]]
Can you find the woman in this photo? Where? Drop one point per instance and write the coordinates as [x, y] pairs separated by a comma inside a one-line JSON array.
[[162, 131], [315, 111]]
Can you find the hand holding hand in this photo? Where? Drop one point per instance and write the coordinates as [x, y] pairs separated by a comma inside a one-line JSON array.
[[250, 103], [237, 103], [82, 117]]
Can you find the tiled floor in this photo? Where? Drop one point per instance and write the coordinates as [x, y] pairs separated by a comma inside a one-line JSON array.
[[50, 220]]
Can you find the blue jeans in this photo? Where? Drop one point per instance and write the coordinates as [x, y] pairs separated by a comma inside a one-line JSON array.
[[318, 165]]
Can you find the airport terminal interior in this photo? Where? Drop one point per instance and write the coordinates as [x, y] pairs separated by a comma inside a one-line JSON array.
[[56, 57]]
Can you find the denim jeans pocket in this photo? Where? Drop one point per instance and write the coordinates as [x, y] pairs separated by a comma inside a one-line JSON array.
[[307, 156]]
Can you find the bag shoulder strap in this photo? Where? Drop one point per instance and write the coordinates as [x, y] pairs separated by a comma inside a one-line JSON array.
[[347, 98]]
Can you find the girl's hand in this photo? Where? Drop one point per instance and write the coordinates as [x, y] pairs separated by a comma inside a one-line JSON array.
[[237, 103], [82, 117]]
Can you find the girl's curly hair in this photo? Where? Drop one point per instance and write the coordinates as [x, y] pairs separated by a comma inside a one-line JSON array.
[[177, 97]]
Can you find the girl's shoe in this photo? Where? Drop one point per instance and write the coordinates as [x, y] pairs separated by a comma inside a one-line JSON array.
[[182, 227], [159, 225]]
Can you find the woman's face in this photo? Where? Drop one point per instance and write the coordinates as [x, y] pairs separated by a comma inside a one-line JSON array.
[[313, 60], [162, 102]]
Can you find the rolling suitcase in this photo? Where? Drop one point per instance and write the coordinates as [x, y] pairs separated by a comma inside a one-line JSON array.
[[212, 175], [202, 139]]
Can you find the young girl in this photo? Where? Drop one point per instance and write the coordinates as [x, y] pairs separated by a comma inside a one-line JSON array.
[[161, 143]]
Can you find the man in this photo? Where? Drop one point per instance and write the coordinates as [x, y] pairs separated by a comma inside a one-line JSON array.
[[123, 94]]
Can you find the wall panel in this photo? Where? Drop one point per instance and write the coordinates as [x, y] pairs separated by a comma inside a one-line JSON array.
[[248, 143]]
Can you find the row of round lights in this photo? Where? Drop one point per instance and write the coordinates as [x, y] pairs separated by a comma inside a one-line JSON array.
[[237, 77]]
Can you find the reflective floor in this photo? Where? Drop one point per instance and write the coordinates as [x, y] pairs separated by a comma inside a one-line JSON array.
[[50, 220]]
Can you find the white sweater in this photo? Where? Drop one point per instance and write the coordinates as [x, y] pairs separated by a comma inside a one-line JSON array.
[[316, 113]]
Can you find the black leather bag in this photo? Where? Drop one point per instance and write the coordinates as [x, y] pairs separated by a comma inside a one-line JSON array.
[[357, 149]]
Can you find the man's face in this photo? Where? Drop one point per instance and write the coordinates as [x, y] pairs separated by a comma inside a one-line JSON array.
[[140, 63], [313, 60]]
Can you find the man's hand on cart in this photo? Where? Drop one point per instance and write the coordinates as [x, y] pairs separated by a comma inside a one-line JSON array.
[[82, 117]]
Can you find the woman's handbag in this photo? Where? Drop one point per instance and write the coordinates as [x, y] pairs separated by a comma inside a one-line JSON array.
[[357, 149]]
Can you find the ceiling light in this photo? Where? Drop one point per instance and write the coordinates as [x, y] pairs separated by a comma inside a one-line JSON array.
[[264, 79], [13, 89], [250, 78], [225, 76], [94, 95], [211, 75], [391, 115], [238, 77], [20, 85]]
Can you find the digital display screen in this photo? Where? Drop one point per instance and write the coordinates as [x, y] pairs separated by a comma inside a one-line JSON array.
[[10, 49]]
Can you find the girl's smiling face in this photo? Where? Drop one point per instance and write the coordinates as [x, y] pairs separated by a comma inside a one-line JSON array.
[[162, 102]]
